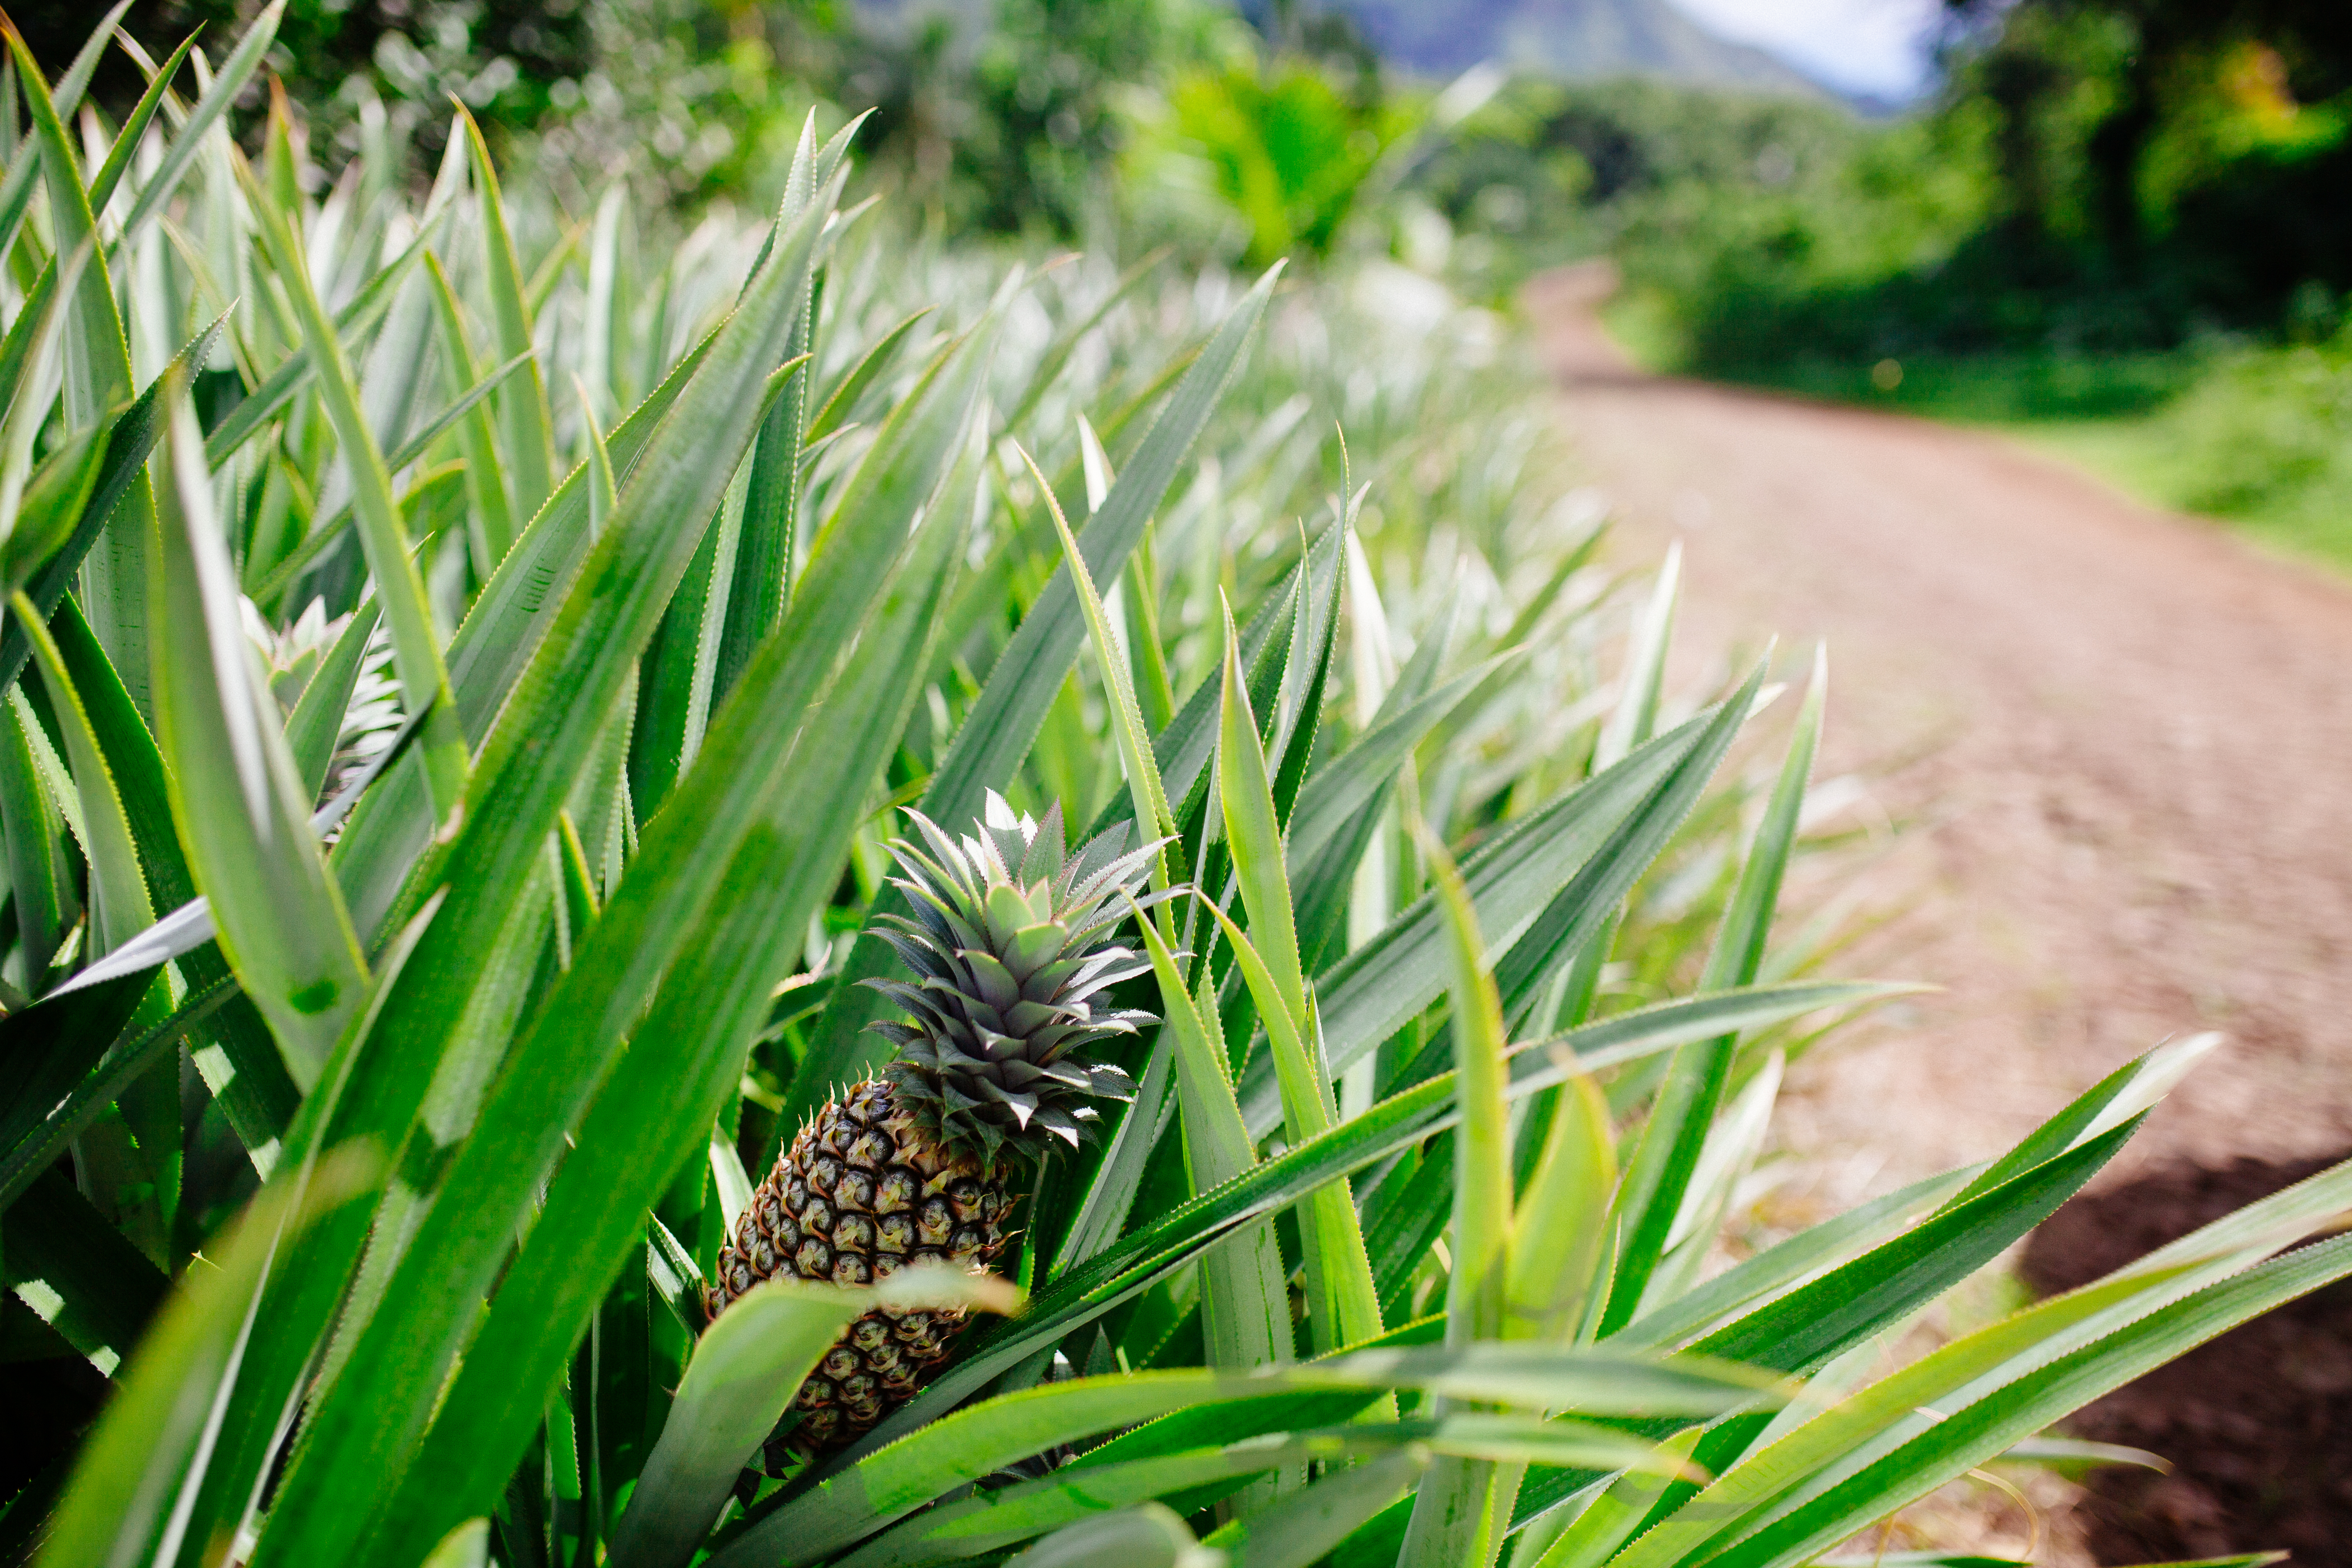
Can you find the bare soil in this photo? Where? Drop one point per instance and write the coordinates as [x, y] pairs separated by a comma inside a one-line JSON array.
[[2258, 1422], [2109, 752]]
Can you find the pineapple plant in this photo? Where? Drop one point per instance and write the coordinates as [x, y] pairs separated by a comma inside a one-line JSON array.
[[1011, 942], [422, 1081]]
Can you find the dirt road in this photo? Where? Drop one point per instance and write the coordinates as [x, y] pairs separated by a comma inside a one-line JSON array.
[[2119, 744]]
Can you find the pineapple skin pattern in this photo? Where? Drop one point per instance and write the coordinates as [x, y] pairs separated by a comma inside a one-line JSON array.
[[861, 1193], [1010, 941]]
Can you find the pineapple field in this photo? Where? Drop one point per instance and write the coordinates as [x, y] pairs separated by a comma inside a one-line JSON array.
[[793, 894]]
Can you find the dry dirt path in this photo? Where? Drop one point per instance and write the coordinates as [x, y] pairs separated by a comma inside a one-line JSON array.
[[2120, 744]]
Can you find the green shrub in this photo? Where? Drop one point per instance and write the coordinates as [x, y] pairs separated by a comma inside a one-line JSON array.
[[2253, 433], [1289, 151], [685, 571], [2264, 426]]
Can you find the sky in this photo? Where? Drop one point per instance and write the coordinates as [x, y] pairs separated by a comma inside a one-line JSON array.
[[1873, 46]]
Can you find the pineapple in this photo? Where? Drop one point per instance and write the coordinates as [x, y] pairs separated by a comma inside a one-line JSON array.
[[1011, 944]]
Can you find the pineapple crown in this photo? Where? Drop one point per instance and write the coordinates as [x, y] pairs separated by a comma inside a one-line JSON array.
[[1011, 945]]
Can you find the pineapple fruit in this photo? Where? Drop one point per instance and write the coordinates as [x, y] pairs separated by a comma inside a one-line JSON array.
[[1011, 944]]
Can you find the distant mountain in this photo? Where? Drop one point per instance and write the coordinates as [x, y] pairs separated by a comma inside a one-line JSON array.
[[1574, 39]]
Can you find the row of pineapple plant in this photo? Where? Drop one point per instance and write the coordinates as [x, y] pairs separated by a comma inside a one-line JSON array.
[[483, 705]]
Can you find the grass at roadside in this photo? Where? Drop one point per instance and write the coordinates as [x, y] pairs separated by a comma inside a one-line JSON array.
[[2253, 436]]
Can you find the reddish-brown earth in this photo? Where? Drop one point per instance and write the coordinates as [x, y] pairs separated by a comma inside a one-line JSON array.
[[2258, 1423], [2113, 753]]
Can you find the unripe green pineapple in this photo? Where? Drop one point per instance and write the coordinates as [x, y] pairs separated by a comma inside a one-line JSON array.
[[1011, 949]]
